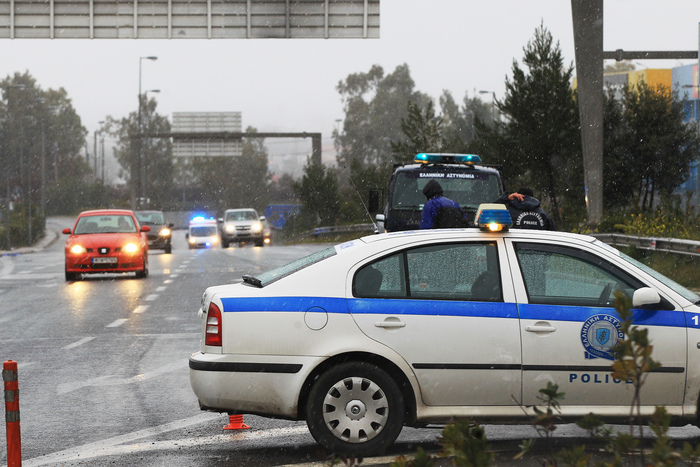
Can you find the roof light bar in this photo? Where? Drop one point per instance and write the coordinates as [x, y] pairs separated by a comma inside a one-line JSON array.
[[426, 158], [493, 217]]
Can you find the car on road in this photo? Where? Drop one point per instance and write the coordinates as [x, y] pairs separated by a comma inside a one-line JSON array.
[[161, 235], [202, 233], [106, 241], [241, 225], [429, 326]]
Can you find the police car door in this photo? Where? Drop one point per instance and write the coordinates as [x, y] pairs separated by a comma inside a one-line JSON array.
[[568, 326], [448, 310]]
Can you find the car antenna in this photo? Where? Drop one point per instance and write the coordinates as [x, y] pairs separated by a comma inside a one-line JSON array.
[[363, 204]]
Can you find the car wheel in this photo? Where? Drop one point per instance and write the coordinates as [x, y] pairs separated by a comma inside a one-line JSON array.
[[259, 242], [72, 276], [355, 408], [168, 249], [224, 243], [144, 272]]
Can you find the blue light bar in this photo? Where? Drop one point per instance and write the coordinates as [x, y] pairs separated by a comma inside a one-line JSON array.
[[493, 217], [425, 158]]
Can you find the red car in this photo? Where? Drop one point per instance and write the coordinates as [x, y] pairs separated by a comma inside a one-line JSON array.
[[106, 241]]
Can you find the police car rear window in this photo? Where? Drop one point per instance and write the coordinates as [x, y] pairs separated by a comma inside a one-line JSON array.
[[266, 278]]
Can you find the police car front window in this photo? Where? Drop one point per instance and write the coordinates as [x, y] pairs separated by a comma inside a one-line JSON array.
[[685, 293], [566, 276], [268, 277]]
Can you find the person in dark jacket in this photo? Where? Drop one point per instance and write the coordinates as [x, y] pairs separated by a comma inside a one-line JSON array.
[[525, 210], [440, 212]]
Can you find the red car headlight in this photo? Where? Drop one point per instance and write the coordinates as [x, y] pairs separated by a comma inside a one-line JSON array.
[[77, 249]]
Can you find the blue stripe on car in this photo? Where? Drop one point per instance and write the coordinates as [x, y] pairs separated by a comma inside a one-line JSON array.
[[444, 308]]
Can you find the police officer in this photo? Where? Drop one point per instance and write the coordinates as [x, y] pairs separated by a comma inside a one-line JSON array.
[[525, 210], [440, 212]]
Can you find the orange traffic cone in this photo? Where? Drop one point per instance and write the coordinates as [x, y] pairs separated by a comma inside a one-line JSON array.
[[235, 422]]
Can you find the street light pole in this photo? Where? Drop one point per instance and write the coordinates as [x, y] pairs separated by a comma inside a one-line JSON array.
[[493, 102], [136, 168], [144, 157], [94, 147]]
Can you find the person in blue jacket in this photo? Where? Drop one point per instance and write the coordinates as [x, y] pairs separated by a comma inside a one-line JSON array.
[[440, 212], [525, 210]]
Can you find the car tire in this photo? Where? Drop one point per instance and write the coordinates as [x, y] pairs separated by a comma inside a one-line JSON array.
[[144, 272], [72, 276], [260, 242], [355, 387], [224, 243], [168, 249]]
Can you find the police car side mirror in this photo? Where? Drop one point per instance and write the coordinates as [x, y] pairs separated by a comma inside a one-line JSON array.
[[645, 296]]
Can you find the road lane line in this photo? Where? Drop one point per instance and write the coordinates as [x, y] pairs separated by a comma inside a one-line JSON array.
[[116, 323], [173, 275], [152, 297], [82, 341], [140, 309], [161, 288]]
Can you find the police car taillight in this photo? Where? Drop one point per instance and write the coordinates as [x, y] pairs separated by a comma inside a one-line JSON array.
[[493, 217], [212, 335]]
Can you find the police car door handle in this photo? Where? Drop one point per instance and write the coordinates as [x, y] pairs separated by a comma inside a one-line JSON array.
[[540, 328], [390, 324]]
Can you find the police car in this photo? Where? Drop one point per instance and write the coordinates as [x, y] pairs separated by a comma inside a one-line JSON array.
[[411, 328], [202, 233]]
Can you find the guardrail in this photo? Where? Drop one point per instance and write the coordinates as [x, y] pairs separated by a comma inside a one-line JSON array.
[[670, 245]]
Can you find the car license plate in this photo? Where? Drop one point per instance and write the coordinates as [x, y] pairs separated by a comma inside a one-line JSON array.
[[110, 259]]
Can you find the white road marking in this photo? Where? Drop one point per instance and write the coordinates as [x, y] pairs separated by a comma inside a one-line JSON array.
[[7, 266], [140, 309], [111, 446], [112, 380], [161, 288], [82, 341], [167, 281], [152, 297], [116, 323], [173, 275]]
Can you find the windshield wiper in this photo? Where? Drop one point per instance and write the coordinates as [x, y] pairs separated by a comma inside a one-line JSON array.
[[252, 281]]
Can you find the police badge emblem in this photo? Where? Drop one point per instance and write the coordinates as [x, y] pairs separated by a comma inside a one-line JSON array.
[[599, 334]]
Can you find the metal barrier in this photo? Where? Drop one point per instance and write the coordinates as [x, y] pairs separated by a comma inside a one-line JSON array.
[[669, 245]]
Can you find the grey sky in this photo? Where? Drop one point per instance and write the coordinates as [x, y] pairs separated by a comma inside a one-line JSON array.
[[289, 85]]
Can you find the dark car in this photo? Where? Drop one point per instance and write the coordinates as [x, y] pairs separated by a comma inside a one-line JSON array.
[[161, 234]]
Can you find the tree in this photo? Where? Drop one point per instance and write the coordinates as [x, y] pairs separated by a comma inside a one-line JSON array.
[[156, 165], [539, 140], [42, 137], [318, 192], [659, 145], [374, 105], [422, 133]]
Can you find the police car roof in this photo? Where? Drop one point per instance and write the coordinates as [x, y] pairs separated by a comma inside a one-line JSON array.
[[471, 233]]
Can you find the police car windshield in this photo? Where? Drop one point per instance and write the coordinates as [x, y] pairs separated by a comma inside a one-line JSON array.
[[203, 231], [688, 294], [266, 278], [468, 188]]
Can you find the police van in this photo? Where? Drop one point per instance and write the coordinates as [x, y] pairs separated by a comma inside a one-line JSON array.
[[202, 233], [462, 180]]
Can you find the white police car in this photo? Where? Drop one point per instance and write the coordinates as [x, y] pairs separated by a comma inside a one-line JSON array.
[[410, 328]]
